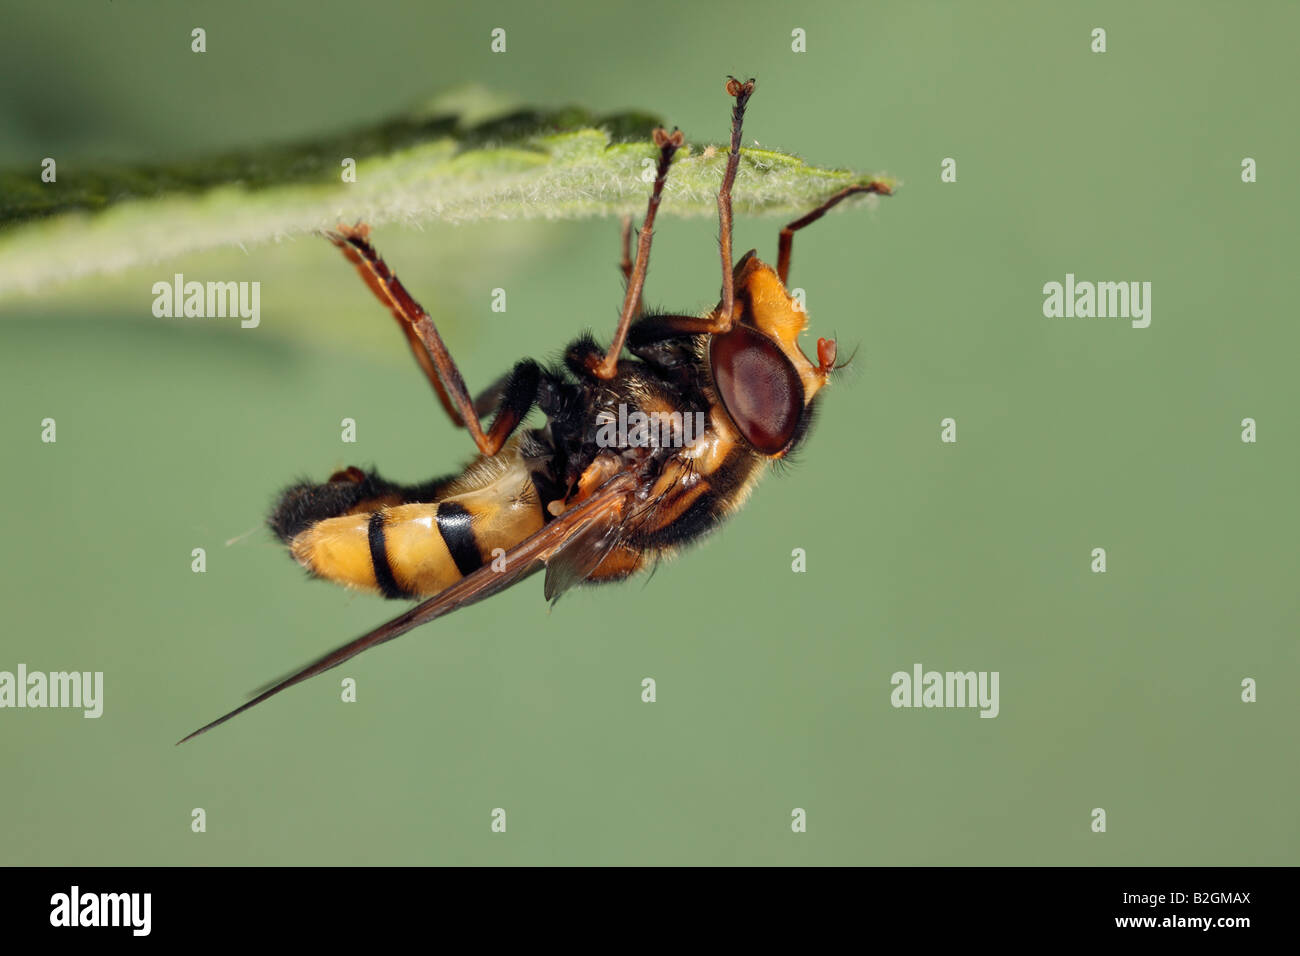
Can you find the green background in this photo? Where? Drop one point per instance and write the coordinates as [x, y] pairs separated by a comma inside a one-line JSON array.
[[1118, 690]]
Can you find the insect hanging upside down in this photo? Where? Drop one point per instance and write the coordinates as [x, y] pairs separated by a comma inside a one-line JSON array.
[[585, 500]]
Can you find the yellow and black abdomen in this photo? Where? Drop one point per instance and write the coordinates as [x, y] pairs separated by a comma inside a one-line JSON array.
[[376, 539]]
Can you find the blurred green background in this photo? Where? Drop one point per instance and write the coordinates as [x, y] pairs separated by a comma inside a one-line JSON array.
[[1118, 690]]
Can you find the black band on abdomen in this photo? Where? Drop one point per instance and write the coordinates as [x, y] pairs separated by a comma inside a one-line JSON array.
[[388, 585], [458, 532]]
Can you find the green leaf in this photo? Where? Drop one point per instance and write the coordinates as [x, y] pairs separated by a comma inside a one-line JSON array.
[[432, 165]]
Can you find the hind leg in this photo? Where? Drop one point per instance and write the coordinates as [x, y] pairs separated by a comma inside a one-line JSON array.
[[430, 351]]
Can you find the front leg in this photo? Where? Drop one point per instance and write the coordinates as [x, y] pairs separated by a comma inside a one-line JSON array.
[[786, 243]]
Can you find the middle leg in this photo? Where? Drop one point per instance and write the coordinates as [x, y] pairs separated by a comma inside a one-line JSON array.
[[668, 144]]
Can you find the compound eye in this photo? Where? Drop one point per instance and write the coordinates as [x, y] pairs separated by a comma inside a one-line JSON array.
[[759, 388]]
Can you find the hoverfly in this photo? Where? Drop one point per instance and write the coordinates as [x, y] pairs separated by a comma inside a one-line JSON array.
[[565, 497]]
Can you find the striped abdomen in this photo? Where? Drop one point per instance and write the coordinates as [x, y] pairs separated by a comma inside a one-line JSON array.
[[383, 545]]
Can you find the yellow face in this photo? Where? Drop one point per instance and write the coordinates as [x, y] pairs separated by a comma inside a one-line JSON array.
[[761, 376], [776, 314]]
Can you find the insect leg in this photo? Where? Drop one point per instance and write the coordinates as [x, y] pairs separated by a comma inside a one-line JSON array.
[[720, 322], [787, 234], [422, 335], [625, 265], [356, 247], [514, 400], [742, 92], [668, 144]]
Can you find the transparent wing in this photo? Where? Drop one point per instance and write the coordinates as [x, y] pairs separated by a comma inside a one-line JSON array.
[[602, 511], [599, 539], [575, 565]]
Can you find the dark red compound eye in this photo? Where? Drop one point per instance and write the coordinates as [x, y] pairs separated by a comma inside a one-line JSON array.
[[759, 388]]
